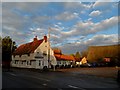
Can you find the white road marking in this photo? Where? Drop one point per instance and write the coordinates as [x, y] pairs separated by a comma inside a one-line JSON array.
[[12, 74], [44, 84], [76, 87], [72, 86], [39, 78], [42, 79]]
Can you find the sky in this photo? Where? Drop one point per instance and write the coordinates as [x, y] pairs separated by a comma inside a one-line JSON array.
[[74, 26]]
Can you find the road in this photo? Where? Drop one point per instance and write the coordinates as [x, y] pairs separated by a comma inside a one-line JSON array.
[[59, 80]]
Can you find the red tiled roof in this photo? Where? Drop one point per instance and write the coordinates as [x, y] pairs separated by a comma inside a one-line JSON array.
[[57, 51], [28, 47], [64, 57]]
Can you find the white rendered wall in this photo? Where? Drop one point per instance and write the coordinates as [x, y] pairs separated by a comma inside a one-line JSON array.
[[34, 64]]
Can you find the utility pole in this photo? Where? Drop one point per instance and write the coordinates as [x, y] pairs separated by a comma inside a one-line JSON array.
[[50, 53], [48, 47]]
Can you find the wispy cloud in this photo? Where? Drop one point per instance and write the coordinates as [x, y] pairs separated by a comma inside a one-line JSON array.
[[66, 16], [95, 13], [101, 3]]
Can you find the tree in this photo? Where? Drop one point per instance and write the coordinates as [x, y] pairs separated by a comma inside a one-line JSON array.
[[8, 47], [77, 55], [72, 55]]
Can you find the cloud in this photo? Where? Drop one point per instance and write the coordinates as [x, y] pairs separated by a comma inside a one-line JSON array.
[[115, 5], [58, 0], [88, 27], [66, 16], [106, 24], [103, 39], [41, 19], [101, 4], [82, 29], [23, 21], [105, 6], [97, 40], [75, 5], [37, 31], [95, 13], [18, 18], [24, 6]]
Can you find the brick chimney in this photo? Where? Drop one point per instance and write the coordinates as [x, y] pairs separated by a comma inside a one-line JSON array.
[[45, 38], [35, 38]]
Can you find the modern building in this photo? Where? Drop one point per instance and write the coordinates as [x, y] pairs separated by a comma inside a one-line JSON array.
[[36, 54], [107, 54]]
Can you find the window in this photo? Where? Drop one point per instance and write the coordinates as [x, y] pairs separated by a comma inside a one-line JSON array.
[[15, 61], [39, 63], [30, 62], [22, 62], [19, 55], [27, 63]]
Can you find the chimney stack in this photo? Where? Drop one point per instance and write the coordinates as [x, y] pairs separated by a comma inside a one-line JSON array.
[[35, 38], [45, 38]]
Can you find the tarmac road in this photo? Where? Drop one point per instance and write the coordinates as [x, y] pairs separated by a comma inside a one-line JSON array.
[[20, 78]]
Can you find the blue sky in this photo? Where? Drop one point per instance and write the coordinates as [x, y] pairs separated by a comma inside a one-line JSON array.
[[74, 25]]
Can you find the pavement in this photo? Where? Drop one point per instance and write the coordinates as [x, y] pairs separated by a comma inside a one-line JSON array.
[[108, 72]]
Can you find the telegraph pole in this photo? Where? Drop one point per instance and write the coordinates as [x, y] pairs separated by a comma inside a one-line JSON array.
[[49, 62], [48, 47]]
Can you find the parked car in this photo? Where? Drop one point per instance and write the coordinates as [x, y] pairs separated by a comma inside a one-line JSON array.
[[95, 64], [86, 65]]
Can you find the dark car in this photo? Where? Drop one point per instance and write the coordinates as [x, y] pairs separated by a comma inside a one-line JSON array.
[[86, 65]]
